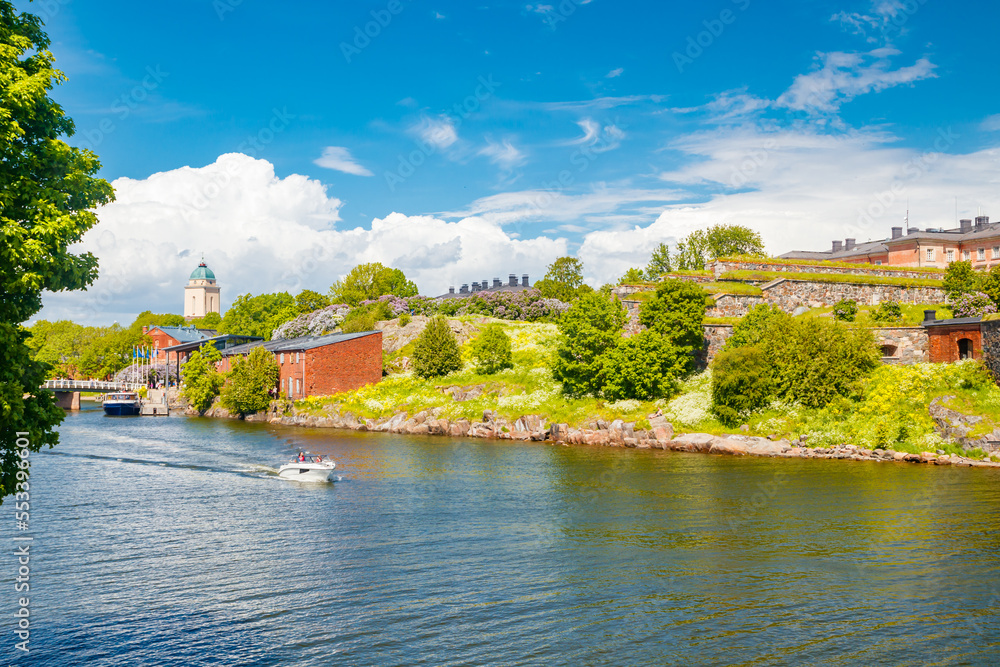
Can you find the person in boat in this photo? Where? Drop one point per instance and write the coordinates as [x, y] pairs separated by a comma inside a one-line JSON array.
[[302, 457], [319, 459]]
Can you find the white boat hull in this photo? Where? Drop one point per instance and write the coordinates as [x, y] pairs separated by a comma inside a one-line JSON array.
[[307, 471]]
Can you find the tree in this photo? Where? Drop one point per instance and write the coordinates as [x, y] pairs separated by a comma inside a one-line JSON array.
[[211, 321], [741, 384], [48, 191], [991, 285], [259, 315], [644, 367], [202, 382], [309, 301], [148, 318], [248, 388], [492, 350], [632, 277], [436, 351], [705, 245], [960, 278], [677, 311], [370, 281], [752, 327], [659, 263], [563, 280], [589, 329]]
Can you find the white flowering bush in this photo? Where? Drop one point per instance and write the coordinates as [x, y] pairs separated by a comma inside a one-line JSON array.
[[625, 405], [694, 404]]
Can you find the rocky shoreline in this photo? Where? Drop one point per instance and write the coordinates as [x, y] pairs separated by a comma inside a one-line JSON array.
[[617, 433]]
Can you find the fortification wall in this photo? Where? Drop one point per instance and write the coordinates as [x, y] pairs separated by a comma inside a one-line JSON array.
[[790, 294], [722, 266], [903, 345]]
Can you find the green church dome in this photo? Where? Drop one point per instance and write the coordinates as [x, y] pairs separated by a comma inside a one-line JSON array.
[[202, 273]]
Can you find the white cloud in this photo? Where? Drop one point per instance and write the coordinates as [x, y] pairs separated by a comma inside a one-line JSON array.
[[991, 123], [884, 15], [618, 71], [601, 139], [844, 76], [439, 132], [503, 154], [261, 233], [339, 158]]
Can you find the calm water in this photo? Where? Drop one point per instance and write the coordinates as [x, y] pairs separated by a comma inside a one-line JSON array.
[[170, 542]]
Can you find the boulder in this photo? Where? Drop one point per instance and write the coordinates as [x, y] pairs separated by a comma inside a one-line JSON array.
[[692, 442], [728, 446]]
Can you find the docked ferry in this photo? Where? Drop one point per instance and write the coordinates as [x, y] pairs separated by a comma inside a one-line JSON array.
[[125, 404]]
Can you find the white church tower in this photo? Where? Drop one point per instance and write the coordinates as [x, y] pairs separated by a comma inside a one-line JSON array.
[[201, 295]]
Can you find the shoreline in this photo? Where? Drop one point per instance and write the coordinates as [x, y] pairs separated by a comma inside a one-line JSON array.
[[533, 428]]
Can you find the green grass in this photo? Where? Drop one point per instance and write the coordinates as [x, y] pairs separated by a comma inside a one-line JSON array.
[[767, 276], [739, 289], [838, 265], [913, 314]]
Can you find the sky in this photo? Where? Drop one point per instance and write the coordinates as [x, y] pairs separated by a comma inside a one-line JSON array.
[[460, 141]]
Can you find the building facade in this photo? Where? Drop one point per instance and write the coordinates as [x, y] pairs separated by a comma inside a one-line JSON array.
[[201, 294]]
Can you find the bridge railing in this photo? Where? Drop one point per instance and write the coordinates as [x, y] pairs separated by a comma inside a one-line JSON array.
[[91, 385]]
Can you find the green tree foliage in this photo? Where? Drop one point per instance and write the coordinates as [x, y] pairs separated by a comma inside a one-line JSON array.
[[308, 301], [202, 382], [148, 318], [589, 329], [211, 321], [888, 312], [813, 360], [563, 280], [259, 315], [370, 281], [436, 351], [705, 245], [845, 310], [632, 277], [363, 318], [75, 351], [742, 383], [491, 350], [677, 311], [644, 367], [751, 328], [960, 278], [250, 382], [659, 263], [991, 285], [48, 194]]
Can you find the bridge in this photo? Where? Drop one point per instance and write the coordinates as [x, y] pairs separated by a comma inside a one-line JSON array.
[[68, 391]]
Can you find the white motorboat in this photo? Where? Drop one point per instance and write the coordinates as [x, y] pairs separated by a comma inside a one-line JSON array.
[[308, 470]]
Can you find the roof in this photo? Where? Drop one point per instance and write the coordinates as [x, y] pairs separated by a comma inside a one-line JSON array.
[[186, 334], [491, 290], [226, 340], [952, 321], [954, 235], [297, 344], [202, 273]]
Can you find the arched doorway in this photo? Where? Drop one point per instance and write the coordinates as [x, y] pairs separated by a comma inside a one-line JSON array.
[[965, 348]]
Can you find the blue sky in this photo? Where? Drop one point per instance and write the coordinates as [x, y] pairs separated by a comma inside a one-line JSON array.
[[463, 141]]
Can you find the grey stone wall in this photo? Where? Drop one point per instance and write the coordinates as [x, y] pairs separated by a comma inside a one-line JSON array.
[[991, 346], [733, 305], [719, 268], [716, 336], [790, 294], [911, 345]]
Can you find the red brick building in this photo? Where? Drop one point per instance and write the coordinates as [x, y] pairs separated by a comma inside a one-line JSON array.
[[320, 365], [953, 339], [164, 337]]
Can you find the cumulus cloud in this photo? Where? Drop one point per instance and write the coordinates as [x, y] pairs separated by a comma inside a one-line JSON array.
[[339, 158], [843, 76], [263, 233]]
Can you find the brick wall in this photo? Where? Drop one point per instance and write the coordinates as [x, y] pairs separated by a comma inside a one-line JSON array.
[[345, 366], [943, 341]]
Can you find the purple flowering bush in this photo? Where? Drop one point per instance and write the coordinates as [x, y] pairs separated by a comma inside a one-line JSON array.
[[973, 304], [525, 306], [315, 323]]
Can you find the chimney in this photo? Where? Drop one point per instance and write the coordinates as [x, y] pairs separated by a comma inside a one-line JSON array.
[[930, 316], [451, 290], [464, 289], [848, 244], [497, 283], [965, 226], [524, 280], [475, 287], [837, 246], [982, 221], [145, 330], [485, 285], [912, 230], [897, 232], [512, 281]]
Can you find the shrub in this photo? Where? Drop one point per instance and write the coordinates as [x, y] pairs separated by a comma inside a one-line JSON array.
[[644, 367], [202, 382], [492, 351], [405, 319], [960, 278], [751, 327], [741, 384], [888, 311], [436, 351], [677, 312], [972, 304], [315, 323], [591, 327], [251, 380], [845, 310]]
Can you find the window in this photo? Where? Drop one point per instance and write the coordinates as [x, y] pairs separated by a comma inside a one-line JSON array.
[[296, 357], [966, 255], [282, 358], [930, 254], [878, 262], [888, 351], [298, 386], [981, 254], [951, 255], [996, 252]]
